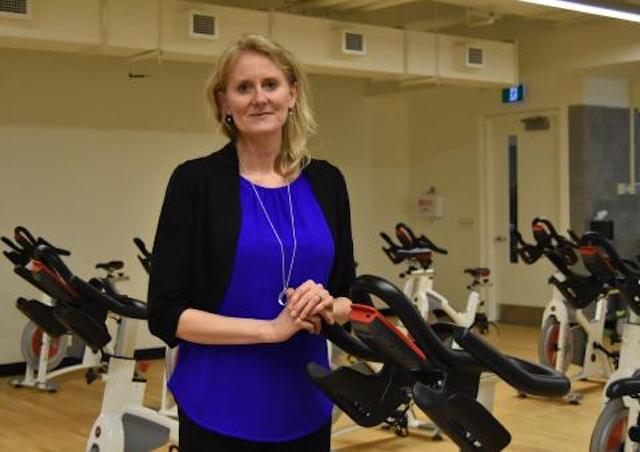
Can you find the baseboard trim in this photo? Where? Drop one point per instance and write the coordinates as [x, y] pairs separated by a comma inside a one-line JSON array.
[[12, 369], [19, 368], [150, 353], [521, 315]]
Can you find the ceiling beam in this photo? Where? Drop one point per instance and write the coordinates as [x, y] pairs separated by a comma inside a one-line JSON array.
[[355, 4], [316, 4], [382, 4]]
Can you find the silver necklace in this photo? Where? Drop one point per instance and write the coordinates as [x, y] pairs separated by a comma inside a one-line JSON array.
[[285, 282]]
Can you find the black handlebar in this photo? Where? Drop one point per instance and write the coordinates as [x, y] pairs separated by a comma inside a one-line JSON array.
[[78, 306], [624, 387], [142, 247], [145, 256], [548, 243], [25, 243], [423, 334], [605, 264], [477, 354], [417, 249], [409, 239], [525, 376]]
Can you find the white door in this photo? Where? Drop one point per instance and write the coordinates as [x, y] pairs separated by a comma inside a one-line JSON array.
[[524, 171]]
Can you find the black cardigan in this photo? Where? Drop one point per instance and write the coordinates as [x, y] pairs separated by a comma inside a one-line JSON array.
[[197, 234]]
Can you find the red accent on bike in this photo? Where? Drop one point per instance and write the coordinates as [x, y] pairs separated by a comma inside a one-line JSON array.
[[36, 344], [404, 237], [37, 267], [586, 250], [551, 345], [363, 314], [143, 366], [618, 434], [366, 314]]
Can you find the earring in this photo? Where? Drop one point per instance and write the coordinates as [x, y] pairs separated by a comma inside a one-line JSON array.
[[228, 119], [290, 111]]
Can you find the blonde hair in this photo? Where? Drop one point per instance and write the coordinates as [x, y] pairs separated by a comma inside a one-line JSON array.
[[300, 124]]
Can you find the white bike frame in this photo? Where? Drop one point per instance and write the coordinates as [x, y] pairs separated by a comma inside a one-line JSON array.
[[419, 288], [627, 365], [598, 368], [124, 424], [596, 364]]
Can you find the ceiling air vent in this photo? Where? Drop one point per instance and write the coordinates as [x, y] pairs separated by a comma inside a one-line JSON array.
[[203, 25], [15, 9], [474, 57], [353, 43]]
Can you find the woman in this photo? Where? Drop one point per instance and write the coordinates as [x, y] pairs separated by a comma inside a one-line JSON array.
[[247, 241]]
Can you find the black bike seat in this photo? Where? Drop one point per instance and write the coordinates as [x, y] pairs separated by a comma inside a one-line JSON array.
[[111, 266], [478, 272]]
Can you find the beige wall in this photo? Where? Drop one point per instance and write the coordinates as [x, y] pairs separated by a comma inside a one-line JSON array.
[[445, 141], [446, 151], [368, 137], [445, 154], [86, 154]]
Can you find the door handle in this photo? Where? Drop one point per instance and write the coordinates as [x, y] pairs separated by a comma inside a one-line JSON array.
[[500, 238]]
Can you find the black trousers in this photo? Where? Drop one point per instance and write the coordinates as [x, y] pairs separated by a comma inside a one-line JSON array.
[[194, 438]]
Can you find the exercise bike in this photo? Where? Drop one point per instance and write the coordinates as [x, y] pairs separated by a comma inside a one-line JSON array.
[[432, 306], [44, 349], [568, 334], [123, 424], [616, 421], [420, 275], [421, 366], [621, 408]]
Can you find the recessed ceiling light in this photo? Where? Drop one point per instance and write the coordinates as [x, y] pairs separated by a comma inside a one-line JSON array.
[[588, 9]]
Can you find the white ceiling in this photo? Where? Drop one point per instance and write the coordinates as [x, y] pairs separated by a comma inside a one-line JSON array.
[[459, 16]]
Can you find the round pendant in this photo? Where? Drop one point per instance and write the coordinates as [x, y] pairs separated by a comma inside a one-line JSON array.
[[281, 299]]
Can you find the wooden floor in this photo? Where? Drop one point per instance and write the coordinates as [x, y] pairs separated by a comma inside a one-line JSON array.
[[31, 421]]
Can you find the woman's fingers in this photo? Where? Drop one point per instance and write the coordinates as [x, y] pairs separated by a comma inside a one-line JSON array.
[[313, 302], [308, 302], [317, 324], [327, 316], [311, 325], [325, 304], [297, 294], [305, 298]]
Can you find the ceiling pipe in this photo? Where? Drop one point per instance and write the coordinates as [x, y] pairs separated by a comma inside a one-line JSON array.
[[316, 4], [355, 5], [149, 54], [103, 20], [382, 4]]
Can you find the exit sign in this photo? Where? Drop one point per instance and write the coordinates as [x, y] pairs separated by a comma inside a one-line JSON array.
[[513, 94]]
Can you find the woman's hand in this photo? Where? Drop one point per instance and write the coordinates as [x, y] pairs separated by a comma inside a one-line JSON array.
[[342, 310], [310, 299], [286, 325]]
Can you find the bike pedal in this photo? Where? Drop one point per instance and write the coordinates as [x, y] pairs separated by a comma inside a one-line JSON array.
[[634, 434]]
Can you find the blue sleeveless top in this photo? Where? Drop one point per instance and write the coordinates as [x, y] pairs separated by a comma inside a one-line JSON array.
[[261, 392]]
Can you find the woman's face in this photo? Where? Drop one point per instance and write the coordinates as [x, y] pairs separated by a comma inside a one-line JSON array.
[[258, 96]]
